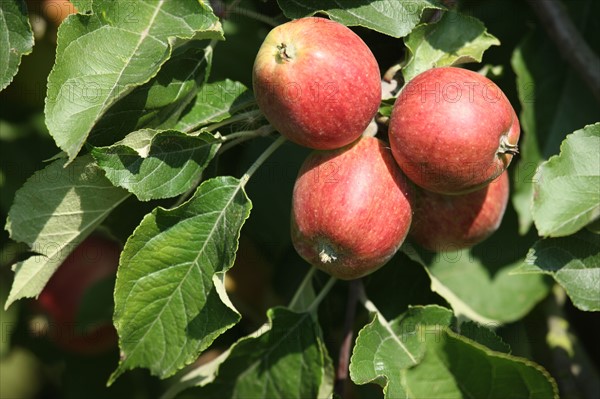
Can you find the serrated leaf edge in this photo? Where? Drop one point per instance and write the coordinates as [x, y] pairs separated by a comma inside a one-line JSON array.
[[494, 39], [120, 370], [517, 359]]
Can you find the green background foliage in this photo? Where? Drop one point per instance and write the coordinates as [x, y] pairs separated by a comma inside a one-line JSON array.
[[137, 119]]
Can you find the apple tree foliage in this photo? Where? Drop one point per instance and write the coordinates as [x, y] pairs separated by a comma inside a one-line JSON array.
[[145, 127]]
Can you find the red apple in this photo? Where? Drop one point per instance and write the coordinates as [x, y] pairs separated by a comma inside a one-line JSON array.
[[350, 209], [317, 82], [452, 222], [453, 130], [94, 260]]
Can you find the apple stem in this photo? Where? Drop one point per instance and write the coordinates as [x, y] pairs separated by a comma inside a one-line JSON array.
[[322, 294], [389, 75], [261, 159], [250, 134], [295, 303], [247, 117], [284, 52], [506, 147]]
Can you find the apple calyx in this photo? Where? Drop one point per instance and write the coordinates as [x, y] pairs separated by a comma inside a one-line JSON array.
[[327, 253], [285, 53], [506, 147]]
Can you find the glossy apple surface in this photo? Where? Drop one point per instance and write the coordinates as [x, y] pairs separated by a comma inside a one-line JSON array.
[[317, 82], [350, 209], [452, 222], [452, 130], [94, 260]]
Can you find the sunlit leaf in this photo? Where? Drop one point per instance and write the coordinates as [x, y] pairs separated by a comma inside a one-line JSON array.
[[170, 303], [567, 187], [69, 202], [16, 38], [444, 363], [455, 39], [131, 41], [574, 262], [157, 164], [287, 360], [392, 17]]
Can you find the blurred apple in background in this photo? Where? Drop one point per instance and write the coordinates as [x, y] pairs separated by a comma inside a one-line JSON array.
[[85, 278]]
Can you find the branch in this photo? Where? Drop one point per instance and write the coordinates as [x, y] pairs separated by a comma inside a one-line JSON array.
[[341, 375], [570, 43], [575, 373]]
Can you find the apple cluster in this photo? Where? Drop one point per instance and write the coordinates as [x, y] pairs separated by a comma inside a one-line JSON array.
[[441, 179]]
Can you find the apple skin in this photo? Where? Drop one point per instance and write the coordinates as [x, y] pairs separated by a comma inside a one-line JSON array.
[[351, 209], [317, 82], [95, 259], [452, 130], [451, 222]]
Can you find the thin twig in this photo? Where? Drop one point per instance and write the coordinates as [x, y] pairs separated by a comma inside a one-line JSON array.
[[261, 159], [570, 42], [321, 295], [295, 302], [344, 357], [243, 117], [255, 15]]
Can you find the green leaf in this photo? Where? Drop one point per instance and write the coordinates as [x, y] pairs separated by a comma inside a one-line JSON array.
[[480, 287], [56, 209], [205, 374], [594, 227], [383, 349], [155, 164], [288, 359], [8, 318], [134, 40], [574, 262], [391, 17], [159, 103], [170, 303], [484, 336], [456, 367], [567, 189], [386, 107], [455, 39], [447, 364], [554, 103], [82, 5], [215, 102], [16, 39]]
